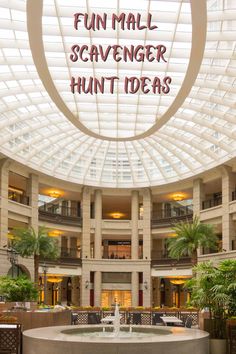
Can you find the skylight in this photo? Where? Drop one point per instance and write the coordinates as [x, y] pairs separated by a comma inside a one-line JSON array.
[[117, 139]]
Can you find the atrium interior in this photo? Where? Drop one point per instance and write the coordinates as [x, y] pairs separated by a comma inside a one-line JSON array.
[[113, 129]]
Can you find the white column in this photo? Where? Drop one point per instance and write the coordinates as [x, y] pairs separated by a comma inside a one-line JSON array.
[[85, 287], [75, 291], [86, 222], [33, 189], [198, 196], [147, 287], [228, 228], [4, 176], [134, 289], [147, 224], [97, 288], [134, 222], [98, 224]]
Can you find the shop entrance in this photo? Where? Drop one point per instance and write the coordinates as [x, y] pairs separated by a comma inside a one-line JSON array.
[[122, 297]]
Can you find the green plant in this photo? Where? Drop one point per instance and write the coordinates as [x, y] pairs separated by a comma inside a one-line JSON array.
[[29, 243], [189, 237], [214, 288], [227, 284], [18, 289]]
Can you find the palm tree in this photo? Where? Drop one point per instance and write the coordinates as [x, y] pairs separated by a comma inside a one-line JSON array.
[[189, 237], [214, 287], [29, 243]]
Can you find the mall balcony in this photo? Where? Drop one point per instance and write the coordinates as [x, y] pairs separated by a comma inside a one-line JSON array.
[[160, 258], [120, 250], [58, 213], [214, 201], [67, 256], [17, 196], [18, 189], [171, 215]]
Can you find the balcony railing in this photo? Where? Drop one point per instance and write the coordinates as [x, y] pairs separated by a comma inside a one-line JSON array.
[[172, 215], [67, 256], [210, 203], [162, 258], [120, 255], [18, 197], [59, 214]]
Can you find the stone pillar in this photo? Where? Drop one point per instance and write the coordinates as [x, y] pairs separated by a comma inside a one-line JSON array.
[[134, 223], [86, 222], [97, 288], [75, 290], [147, 287], [134, 289], [105, 249], [98, 224], [228, 229], [147, 224], [85, 287], [198, 196], [4, 176], [33, 189]]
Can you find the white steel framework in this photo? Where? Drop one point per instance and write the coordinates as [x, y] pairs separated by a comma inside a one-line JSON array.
[[118, 140]]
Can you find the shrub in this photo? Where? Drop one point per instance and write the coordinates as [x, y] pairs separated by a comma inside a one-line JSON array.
[[18, 289]]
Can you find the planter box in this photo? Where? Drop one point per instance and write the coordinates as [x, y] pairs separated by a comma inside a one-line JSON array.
[[218, 346], [231, 323], [216, 328], [36, 319], [231, 335]]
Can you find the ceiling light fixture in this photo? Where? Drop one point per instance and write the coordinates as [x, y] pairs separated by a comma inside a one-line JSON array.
[[117, 215], [178, 196], [177, 281], [54, 279], [145, 285], [54, 233], [55, 194], [86, 284]]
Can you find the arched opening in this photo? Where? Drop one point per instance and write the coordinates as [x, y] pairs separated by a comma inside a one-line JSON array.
[[17, 270]]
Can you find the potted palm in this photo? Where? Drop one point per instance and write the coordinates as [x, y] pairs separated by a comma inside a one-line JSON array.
[[29, 243], [214, 288], [189, 237], [227, 286]]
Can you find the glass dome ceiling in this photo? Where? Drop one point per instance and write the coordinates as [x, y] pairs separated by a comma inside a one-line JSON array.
[[119, 139]]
